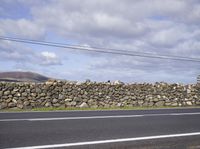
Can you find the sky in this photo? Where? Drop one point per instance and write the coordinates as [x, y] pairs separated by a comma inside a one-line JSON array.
[[156, 26]]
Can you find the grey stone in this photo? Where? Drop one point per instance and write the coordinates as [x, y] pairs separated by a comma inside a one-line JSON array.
[[33, 94], [84, 105], [155, 99], [158, 96], [68, 104], [15, 89], [48, 104], [60, 96], [189, 103], [42, 94], [18, 94], [68, 99], [91, 101], [79, 83], [120, 105], [55, 101], [106, 106], [13, 100], [77, 99], [6, 93], [140, 102], [168, 103], [107, 97], [125, 98], [8, 100], [117, 82], [56, 105], [26, 103], [20, 106], [174, 104], [49, 82], [38, 90], [11, 104], [73, 103], [24, 94], [151, 104], [188, 91], [160, 103], [3, 105], [186, 99], [145, 104]]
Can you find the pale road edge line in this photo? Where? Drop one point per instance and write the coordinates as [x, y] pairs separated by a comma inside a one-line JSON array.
[[71, 118], [93, 117], [98, 117], [113, 116], [109, 141]]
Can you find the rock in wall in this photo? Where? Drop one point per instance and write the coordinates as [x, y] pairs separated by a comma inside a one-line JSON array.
[[91, 94]]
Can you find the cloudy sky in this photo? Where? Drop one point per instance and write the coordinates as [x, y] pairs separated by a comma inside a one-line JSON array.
[[156, 26]]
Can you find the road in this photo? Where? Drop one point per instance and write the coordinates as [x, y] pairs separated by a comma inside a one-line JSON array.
[[140, 129]]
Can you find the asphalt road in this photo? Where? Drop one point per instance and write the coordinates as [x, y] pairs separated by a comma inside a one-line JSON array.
[[140, 129]]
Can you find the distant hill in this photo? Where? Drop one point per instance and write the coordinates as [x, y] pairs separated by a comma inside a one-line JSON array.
[[18, 76]]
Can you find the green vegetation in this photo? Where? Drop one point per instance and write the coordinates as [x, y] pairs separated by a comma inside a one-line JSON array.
[[93, 109]]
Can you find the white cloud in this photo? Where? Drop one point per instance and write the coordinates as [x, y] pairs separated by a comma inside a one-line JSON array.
[[169, 37], [49, 55], [50, 58], [22, 28]]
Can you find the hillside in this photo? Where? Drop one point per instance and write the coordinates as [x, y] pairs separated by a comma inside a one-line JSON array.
[[17, 76]]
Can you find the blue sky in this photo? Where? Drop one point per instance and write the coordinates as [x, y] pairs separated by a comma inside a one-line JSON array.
[[157, 26]]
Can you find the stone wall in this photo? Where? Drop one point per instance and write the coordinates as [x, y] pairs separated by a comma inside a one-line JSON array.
[[90, 94]]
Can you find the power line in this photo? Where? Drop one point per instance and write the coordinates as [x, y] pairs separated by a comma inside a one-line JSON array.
[[101, 50], [81, 46]]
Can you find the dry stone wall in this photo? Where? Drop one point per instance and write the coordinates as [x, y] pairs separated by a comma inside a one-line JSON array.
[[91, 94]]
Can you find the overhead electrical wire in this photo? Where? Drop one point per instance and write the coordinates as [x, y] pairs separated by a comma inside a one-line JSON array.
[[101, 49]]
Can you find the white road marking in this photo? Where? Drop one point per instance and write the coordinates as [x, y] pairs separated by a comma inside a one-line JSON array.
[[71, 118], [110, 141], [98, 117]]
